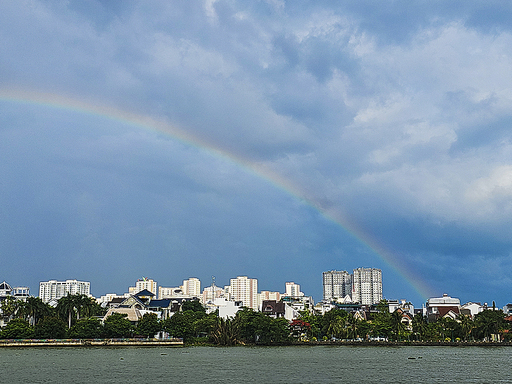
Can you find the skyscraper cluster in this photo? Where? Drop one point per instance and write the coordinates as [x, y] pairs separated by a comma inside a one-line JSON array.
[[363, 286]]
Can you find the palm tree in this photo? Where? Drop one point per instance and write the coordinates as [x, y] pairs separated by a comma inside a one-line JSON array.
[[396, 323], [34, 309], [419, 326], [336, 326], [466, 325], [85, 306], [352, 323], [67, 307]]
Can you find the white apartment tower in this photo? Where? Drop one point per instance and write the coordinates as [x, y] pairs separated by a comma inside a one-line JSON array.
[[292, 290], [367, 286], [142, 284], [54, 290], [191, 287], [337, 284], [245, 290]]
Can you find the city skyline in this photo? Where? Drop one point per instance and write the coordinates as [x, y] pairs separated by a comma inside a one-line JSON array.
[[275, 139], [335, 287]]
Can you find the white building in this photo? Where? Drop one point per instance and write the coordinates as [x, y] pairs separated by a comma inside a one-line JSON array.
[[472, 308], [142, 284], [245, 290], [226, 308], [442, 306], [54, 290], [404, 305], [5, 289], [292, 290], [169, 292], [21, 292], [367, 286], [210, 293], [191, 287], [336, 284]]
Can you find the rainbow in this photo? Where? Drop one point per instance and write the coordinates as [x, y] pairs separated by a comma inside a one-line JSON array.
[[164, 127]]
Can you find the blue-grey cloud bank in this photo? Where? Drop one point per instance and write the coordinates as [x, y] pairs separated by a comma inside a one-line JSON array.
[[392, 118]]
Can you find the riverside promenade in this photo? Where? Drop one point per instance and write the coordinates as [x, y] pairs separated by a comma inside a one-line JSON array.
[[91, 343]]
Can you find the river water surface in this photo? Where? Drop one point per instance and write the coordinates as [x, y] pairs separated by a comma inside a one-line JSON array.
[[297, 364]]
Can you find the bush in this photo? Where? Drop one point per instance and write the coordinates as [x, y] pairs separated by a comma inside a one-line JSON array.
[[17, 329], [50, 328]]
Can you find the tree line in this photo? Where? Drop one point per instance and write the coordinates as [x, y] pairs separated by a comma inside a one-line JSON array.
[[77, 317]]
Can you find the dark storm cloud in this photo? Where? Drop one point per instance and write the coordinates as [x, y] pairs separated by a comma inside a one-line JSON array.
[[395, 115]]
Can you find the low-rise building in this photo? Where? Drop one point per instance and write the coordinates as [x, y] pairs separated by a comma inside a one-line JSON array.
[[438, 307], [471, 309]]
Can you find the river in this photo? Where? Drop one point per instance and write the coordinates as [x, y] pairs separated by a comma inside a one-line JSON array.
[[295, 364]]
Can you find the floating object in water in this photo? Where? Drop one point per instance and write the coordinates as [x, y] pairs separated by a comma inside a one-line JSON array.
[[411, 358]]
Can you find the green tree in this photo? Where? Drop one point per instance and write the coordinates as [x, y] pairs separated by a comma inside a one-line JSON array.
[[364, 329], [314, 321], [247, 320], [278, 331], [382, 322], [148, 326], [74, 307], [193, 305], [33, 309], [333, 323], [117, 326], [488, 323], [17, 329], [90, 328], [50, 328], [8, 307], [419, 326], [466, 326], [256, 327], [397, 326], [206, 324], [352, 324], [181, 325]]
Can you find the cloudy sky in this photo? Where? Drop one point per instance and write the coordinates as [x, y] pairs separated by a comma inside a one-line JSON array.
[[273, 139]]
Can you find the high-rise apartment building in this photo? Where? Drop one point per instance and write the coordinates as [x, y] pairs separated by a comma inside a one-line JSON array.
[[337, 284], [191, 287], [245, 290], [211, 293], [292, 290], [367, 286], [54, 290], [142, 284]]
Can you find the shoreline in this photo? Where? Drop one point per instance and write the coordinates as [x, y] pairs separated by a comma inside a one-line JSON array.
[[9, 343], [91, 343]]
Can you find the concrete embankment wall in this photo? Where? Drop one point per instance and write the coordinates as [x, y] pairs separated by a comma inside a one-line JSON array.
[[414, 343], [91, 343]]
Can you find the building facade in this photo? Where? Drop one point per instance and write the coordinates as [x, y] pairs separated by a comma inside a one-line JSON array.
[[367, 286], [142, 284], [245, 290], [191, 287], [292, 290], [54, 290], [337, 284]]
